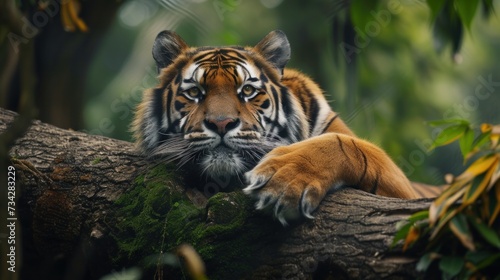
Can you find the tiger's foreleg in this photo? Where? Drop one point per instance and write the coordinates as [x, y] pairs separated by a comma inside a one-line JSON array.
[[292, 180]]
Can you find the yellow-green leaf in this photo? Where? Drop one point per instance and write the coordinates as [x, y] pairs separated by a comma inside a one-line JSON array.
[[443, 222], [459, 227], [493, 131], [466, 142], [481, 139], [439, 206], [449, 134], [478, 186], [479, 166]]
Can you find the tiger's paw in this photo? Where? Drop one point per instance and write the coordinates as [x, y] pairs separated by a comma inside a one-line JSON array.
[[289, 183]]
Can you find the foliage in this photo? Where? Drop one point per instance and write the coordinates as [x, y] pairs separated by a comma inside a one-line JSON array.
[[461, 227], [449, 18]]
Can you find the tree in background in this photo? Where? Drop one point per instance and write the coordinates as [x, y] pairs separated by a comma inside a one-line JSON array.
[[65, 36]]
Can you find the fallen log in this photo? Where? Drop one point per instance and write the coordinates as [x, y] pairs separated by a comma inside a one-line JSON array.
[[90, 206]]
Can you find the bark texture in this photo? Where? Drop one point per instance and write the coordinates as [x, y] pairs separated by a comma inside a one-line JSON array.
[[91, 206]]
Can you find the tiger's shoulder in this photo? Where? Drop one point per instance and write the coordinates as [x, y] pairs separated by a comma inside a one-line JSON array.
[[313, 103]]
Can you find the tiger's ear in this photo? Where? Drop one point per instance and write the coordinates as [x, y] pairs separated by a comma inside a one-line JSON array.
[[275, 49], [167, 46]]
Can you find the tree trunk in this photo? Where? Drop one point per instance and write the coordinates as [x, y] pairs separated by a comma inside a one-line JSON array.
[[62, 59], [90, 206]]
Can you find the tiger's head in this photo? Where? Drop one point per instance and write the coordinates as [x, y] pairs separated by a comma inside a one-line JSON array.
[[219, 109]]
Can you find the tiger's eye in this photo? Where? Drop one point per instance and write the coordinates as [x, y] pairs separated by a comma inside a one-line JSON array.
[[193, 92], [248, 90]]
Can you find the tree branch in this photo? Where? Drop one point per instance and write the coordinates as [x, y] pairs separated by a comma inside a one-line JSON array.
[[90, 206]]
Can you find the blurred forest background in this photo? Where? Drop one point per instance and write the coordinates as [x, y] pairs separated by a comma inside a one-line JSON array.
[[384, 65]]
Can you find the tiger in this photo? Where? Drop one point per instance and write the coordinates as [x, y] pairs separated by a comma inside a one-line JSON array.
[[239, 112]]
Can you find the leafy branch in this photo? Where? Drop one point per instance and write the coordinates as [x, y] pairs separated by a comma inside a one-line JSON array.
[[461, 230]]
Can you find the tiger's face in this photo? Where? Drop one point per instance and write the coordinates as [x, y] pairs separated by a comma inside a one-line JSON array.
[[219, 109]]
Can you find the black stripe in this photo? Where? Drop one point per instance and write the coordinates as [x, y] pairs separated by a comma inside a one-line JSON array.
[[178, 105], [178, 78], [227, 55], [265, 104], [157, 106], [365, 161], [374, 188], [286, 102], [234, 75], [170, 94], [313, 114], [172, 128], [163, 135], [302, 102], [341, 146], [198, 139], [284, 134], [263, 78], [277, 111], [329, 123]]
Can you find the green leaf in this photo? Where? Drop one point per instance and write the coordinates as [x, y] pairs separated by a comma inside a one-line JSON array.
[[466, 142], [424, 262], [487, 233], [466, 10], [482, 139], [449, 135], [474, 188], [451, 265], [419, 216], [478, 256], [448, 122], [405, 226], [479, 184], [460, 228], [489, 261], [488, 8], [401, 234], [436, 6]]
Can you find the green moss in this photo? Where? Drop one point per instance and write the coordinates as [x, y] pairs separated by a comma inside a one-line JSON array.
[[96, 161], [142, 212], [155, 217]]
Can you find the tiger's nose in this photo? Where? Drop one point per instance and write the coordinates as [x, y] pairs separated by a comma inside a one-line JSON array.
[[222, 125]]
